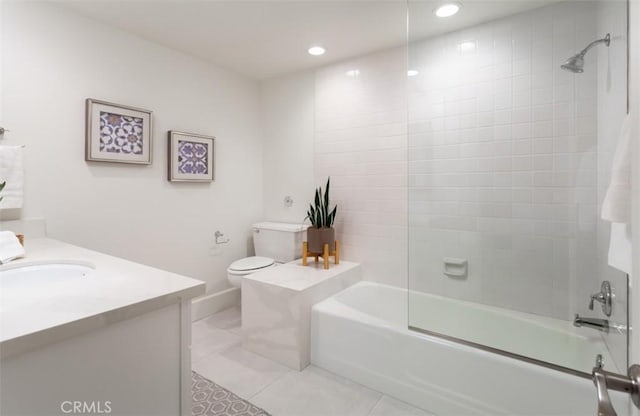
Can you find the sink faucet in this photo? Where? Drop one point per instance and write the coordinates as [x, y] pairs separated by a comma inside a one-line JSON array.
[[595, 323]]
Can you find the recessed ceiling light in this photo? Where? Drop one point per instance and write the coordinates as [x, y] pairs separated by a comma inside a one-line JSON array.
[[447, 10], [412, 73], [353, 73], [316, 50]]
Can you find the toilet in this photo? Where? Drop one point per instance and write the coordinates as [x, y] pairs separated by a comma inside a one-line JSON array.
[[275, 243]]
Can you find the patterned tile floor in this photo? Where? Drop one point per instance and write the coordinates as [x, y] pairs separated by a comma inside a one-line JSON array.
[[218, 356], [209, 399]]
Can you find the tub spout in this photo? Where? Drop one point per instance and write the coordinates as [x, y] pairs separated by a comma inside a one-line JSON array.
[[595, 323]]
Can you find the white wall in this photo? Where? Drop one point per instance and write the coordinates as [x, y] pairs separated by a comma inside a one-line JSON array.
[[287, 108], [53, 61], [612, 110]]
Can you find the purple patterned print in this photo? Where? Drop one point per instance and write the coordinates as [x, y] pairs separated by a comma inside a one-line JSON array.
[[192, 157], [120, 134]]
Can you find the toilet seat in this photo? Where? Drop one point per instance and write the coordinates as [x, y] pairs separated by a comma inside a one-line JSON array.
[[250, 265]]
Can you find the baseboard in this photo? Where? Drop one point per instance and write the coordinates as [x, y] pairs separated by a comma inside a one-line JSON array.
[[215, 302]]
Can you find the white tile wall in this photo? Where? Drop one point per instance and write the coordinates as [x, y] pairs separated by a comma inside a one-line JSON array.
[[361, 142], [502, 162], [287, 107]]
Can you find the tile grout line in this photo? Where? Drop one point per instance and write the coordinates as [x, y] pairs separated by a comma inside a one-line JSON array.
[[286, 373], [376, 403]]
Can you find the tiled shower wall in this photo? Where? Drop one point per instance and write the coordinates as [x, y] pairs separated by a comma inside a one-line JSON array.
[[502, 162], [361, 142]]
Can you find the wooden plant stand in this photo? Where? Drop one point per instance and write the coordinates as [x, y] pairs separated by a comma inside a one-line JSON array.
[[325, 254]]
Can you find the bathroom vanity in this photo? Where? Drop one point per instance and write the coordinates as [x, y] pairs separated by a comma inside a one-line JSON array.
[[84, 330]]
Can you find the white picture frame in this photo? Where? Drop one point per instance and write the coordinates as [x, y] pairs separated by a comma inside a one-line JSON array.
[[117, 133], [191, 157]]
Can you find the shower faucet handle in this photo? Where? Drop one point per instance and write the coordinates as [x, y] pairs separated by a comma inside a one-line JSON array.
[[605, 297], [596, 296]]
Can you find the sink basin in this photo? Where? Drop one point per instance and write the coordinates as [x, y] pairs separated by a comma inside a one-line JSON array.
[[39, 274]]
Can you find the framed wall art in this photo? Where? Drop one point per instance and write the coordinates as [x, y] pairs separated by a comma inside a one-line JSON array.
[[117, 133], [190, 157]]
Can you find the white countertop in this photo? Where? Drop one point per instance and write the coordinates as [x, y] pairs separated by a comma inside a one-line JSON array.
[[116, 290], [295, 276]]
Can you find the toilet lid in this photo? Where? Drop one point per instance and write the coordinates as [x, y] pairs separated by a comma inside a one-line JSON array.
[[251, 263]]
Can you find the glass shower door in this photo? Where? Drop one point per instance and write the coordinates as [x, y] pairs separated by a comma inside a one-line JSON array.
[[509, 160]]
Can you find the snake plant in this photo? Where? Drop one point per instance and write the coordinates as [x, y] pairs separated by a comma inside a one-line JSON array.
[[319, 213], [2, 187]]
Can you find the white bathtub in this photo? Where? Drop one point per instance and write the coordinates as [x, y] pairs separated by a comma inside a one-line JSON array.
[[361, 333], [550, 340]]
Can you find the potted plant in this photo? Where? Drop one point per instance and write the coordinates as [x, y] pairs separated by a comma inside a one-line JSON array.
[[321, 231]]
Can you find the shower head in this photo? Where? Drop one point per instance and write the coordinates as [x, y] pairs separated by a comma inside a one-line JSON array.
[[575, 64]]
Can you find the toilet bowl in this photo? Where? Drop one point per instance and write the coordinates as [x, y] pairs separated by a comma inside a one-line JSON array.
[[275, 243], [246, 266]]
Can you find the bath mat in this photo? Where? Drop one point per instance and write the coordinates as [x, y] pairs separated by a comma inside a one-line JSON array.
[[209, 399]]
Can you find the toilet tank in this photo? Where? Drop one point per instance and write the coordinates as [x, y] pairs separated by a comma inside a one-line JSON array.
[[279, 240]]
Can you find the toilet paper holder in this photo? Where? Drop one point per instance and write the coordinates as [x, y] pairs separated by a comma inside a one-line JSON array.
[[220, 239]]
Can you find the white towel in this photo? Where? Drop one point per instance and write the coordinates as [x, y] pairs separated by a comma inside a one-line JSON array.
[[12, 173], [10, 247], [616, 207]]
